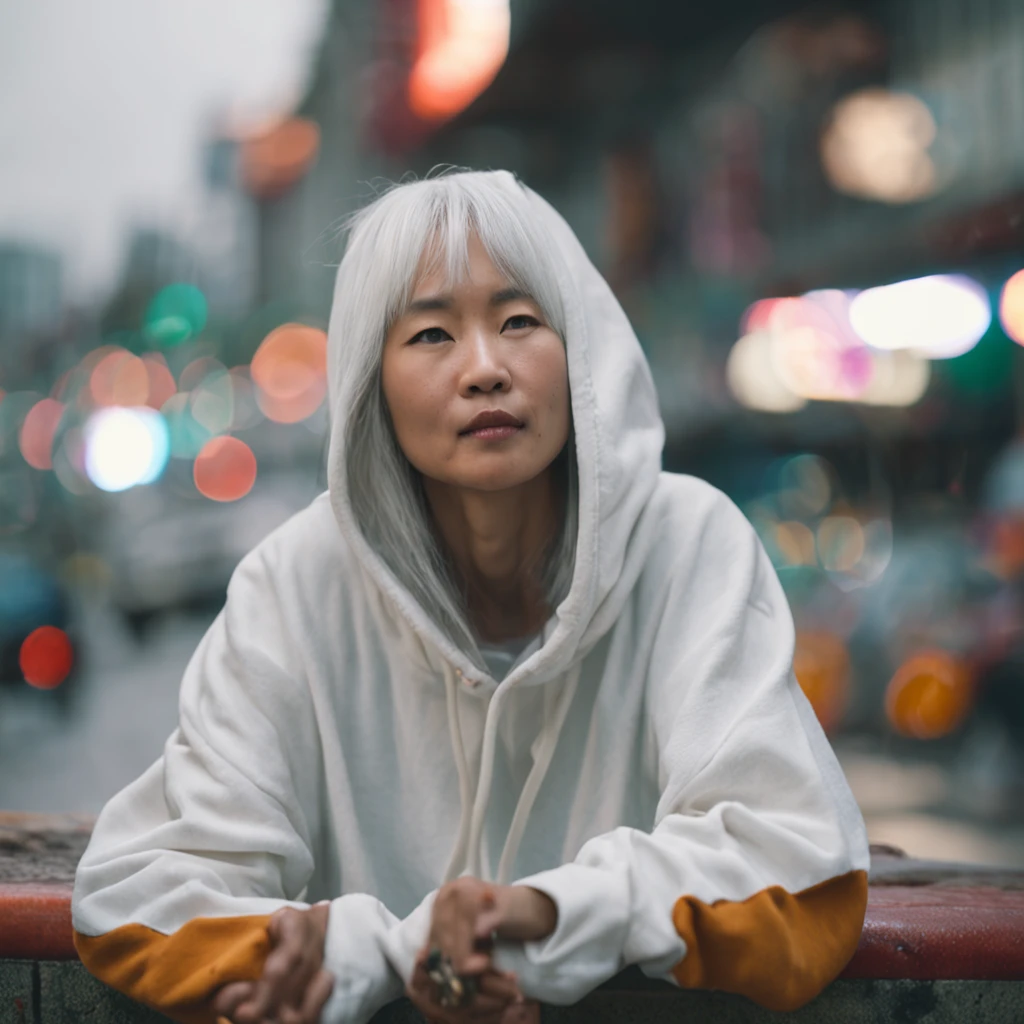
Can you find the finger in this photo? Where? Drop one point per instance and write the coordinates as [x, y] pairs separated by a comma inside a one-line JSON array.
[[289, 1015], [317, 993], [487, 923], [287, 970], [454, 932], [499, 985], [487, 1006], [231, 996], [527, 1012]]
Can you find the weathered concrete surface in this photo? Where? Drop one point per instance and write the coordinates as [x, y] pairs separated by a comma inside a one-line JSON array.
[[17, 998], [42, 847], [844, 1002], [67, 994]]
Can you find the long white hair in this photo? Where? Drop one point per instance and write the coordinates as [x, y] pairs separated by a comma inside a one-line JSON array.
[[430, 219]]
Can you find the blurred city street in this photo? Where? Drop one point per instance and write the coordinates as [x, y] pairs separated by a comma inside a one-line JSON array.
[[124, 704], [811, 214], [57, 759]]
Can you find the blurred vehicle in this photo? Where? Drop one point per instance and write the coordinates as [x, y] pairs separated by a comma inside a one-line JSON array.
[[168, 549], [34, 603]]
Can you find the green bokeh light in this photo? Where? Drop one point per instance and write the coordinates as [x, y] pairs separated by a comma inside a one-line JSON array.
[[983, 371], [176, 314]]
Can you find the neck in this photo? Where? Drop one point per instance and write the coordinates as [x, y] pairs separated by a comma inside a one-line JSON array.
[[497, 541]]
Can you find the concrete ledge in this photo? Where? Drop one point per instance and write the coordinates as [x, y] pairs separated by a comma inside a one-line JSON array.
[[63, 992], [937, 932], [941, 943]]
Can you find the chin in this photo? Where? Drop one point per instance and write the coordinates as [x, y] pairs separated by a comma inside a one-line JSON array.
[[497, 478]]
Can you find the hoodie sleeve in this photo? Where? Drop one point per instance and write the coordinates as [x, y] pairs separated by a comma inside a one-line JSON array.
[[753, 879], [187, 863]]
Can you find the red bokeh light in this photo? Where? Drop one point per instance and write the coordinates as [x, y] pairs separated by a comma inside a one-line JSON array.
[[119, 378], [46, 657], [225, 469], [161, 380], [35, 438]]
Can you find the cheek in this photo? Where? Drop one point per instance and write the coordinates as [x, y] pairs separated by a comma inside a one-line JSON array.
[[553, 383], [412, 400]]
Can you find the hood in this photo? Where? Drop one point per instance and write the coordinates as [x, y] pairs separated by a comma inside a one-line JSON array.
[[619, 437]]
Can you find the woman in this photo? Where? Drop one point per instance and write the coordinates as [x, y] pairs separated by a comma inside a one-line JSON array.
[[505, 711]]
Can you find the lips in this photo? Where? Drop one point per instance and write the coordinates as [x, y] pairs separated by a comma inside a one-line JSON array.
[[491, 419]]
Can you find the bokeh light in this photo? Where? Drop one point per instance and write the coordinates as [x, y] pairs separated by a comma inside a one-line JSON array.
[[161, 380], [197, 371], [821, 664], [15, 406], [939, 316], [804, 485], [245, 411], [1011, 307], [805, 348], [125, 447], [176, 314], [876, 147], [795, 542], [38, 430], [840, 543], [289, 370], [463, 44], [212, 402], [186, 436], [225, 470], [69, 462], [753, 380], [119, 378], [930, 695], [278, 157], [46, 657]]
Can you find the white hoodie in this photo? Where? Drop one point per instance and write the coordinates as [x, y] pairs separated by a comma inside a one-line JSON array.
[[649, 762]]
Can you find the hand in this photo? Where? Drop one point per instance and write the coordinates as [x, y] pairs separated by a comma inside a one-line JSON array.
[[497, 999], [467, 915], [293, 987]]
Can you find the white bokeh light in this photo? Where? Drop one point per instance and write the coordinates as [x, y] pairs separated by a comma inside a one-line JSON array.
[[940, 317], [125, 447]]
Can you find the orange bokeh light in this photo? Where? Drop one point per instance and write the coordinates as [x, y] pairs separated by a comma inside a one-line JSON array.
[[225, 469], [930, 695], [290, 372], [119, 378], [463, 44], [35, 439], [1011, 307], [46, 657], [161, 381], [277, 158], [822, 667]]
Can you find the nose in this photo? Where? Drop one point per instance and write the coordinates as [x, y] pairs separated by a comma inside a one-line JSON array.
[[485, 369]]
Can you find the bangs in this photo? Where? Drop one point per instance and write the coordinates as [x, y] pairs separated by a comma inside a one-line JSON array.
[[425, 226]]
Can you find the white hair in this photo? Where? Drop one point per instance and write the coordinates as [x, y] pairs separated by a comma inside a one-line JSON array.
[[429, 220]]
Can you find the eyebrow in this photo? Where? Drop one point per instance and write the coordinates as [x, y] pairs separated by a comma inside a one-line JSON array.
[[433, 302]]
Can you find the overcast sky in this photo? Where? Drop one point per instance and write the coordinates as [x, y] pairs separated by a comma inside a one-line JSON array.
[[104, 105]]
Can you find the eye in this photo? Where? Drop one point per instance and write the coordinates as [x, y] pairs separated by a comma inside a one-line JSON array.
[[520, 321], [430, 336]]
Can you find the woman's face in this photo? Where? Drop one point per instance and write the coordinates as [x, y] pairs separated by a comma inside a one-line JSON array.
[[476, 381]]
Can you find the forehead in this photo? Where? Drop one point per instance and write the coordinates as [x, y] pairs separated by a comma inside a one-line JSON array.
[[440, 272]]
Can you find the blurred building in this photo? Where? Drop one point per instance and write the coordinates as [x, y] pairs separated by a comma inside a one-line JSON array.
[[31, 295], [226, 233]]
